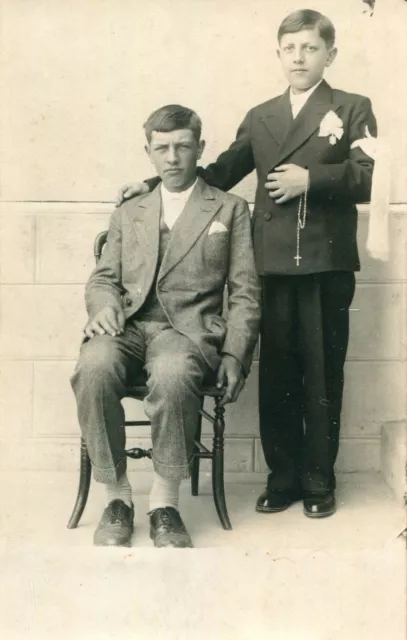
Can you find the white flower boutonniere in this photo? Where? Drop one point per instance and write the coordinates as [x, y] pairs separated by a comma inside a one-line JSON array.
[[331, 127]]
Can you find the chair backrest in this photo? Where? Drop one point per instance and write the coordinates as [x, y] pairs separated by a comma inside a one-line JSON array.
[[98, 245]]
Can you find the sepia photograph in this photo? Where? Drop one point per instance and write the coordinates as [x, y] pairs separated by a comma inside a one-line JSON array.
[[203, 320]]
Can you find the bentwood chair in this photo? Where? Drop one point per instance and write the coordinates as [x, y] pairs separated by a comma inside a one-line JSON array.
[[216, 455]]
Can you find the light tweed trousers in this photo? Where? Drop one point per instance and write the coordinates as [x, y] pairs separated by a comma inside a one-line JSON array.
[[175, 371]]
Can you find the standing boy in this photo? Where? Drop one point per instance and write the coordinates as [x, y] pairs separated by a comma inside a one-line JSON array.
[[307, 147]]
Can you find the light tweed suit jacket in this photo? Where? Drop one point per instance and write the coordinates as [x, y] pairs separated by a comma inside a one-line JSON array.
[[210, 247]]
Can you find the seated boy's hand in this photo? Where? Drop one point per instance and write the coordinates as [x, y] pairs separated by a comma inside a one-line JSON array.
[[109, 320], [230, 377], [286, 182], [131, 190]]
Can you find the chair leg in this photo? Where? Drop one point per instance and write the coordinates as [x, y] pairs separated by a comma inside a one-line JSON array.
[[196, 460], [85, 475], [217, 466]]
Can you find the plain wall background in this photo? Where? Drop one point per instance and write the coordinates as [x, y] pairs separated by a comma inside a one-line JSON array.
[[78, 79]]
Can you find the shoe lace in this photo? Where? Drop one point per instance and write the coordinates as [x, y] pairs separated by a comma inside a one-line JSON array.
[[117, 511], [166, 519]]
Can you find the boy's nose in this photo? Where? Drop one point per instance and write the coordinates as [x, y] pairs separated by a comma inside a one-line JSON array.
[[172, 156], [299, 55]]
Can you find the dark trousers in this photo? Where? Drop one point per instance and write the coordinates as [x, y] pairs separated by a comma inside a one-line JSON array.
[[304, 339]]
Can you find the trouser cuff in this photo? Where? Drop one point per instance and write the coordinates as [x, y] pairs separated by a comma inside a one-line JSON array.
[[172, 472], [111, 475]]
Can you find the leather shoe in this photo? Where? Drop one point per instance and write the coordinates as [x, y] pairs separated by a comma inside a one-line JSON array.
[[275, 501], [116, 525], [168, 530], [320, 506]]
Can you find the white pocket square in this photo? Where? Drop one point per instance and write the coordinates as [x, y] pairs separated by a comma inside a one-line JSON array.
[[216, 227]]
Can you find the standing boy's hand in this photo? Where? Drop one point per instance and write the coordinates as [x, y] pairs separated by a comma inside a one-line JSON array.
[[286, 182], [131, 190]]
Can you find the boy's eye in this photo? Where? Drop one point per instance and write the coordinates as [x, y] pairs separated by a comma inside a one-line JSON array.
[[310, 48]]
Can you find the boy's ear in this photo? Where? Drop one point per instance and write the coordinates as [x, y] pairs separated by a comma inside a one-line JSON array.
[[331, 56], [201, 147], [147, 150], [278, 54]]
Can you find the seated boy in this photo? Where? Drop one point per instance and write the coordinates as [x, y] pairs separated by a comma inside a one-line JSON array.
[[155, 302]]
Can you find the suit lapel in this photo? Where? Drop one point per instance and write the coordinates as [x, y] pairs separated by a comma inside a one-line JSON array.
[[308, 120], [145, 219], [279, 119], [201, 207]]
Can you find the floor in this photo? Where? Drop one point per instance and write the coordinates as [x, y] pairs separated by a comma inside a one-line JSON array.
[[274, 576]]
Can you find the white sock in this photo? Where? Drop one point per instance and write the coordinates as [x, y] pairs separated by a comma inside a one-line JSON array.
[[164, 493], [120, 490]]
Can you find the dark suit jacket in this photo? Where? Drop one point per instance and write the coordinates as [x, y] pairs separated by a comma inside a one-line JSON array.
[[340, 177], [210, 246]]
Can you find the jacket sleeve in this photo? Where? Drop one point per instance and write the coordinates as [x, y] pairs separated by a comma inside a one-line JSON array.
[[235, 163], [232, 165], [104, 285], [351, 179], [243, 315]]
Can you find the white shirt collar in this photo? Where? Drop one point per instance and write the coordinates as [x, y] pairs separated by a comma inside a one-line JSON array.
[[173, 203], [180, 196], [298, 100]]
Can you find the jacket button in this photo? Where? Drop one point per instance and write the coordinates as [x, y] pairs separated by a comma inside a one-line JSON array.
[[128, 302], [267, 216]]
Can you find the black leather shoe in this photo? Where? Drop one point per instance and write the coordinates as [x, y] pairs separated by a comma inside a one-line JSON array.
[[320, 506], [116, 525], [168, 530], [275, 501]]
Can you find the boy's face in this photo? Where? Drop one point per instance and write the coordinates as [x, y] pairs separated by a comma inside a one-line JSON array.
[[304, 56], [174, 155]]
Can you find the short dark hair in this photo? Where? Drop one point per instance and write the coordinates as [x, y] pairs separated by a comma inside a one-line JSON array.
[[308, 19], [173, 117]]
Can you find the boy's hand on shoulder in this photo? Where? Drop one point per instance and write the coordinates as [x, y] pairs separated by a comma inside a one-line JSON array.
[[286, 182], [131, 190]]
